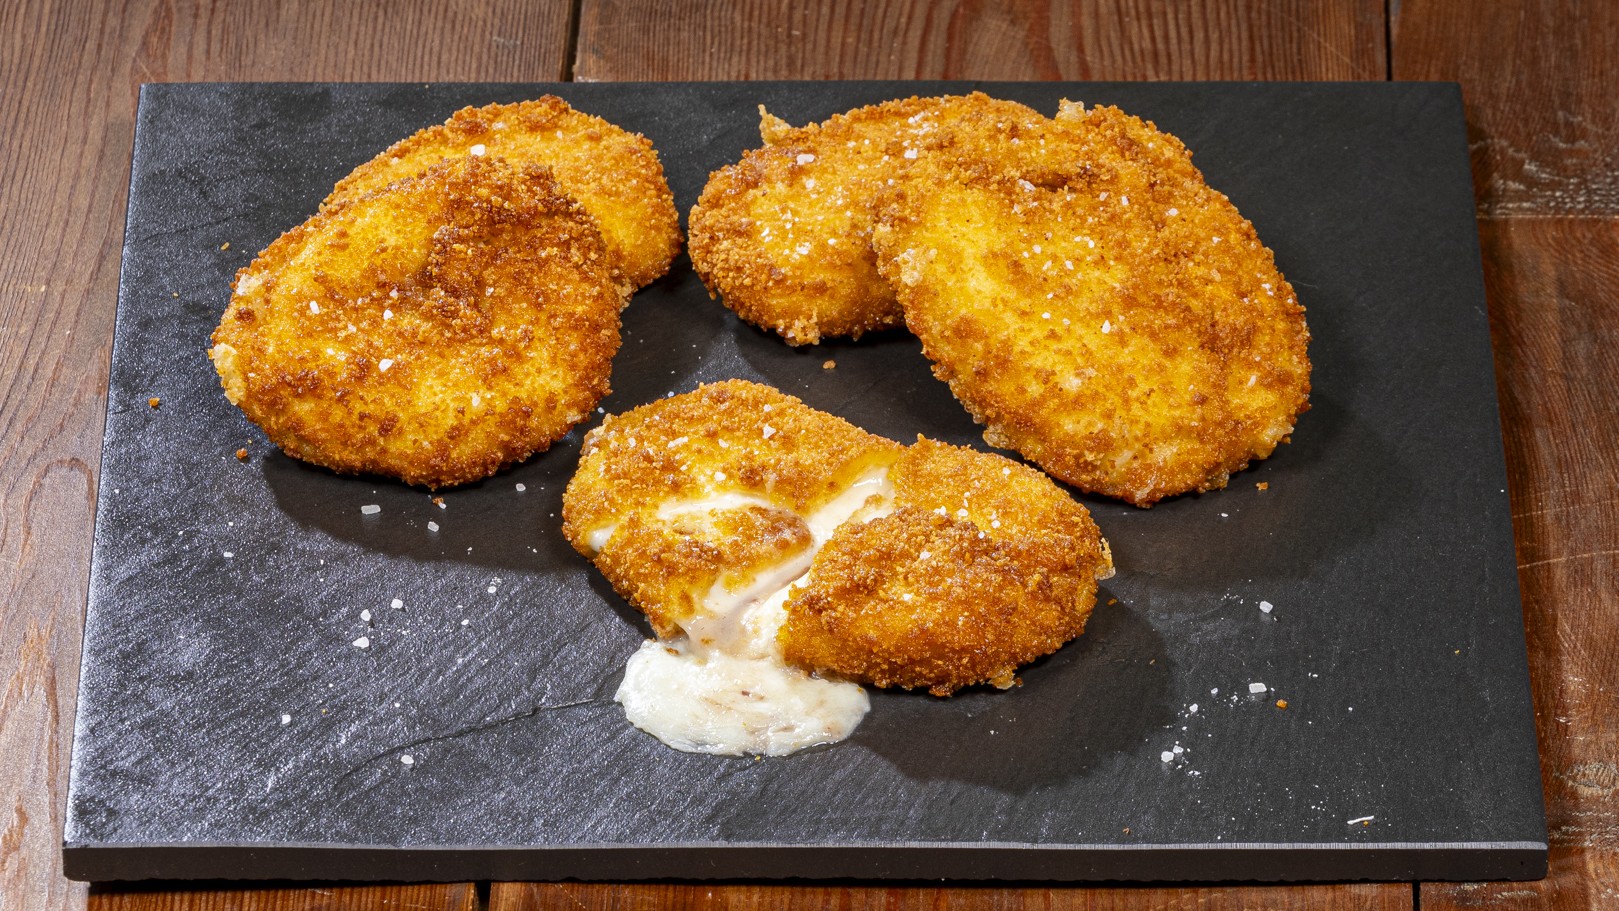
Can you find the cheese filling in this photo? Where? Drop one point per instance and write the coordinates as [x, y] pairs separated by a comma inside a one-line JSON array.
[[723, 688]]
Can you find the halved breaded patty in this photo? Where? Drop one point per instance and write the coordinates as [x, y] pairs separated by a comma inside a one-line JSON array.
[[1099, 308], [436, 330], [678, 495], [927, 566], [783, 236], [983, 566], [615, 174]]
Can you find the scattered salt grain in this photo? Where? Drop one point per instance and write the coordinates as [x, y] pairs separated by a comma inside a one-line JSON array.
[[1166, 756], [384, 364], [229, 555], [1191, 709], [522, 487], [432, 526], [396, 604], [286, 719], [805, 158], [387, 314], [478, 149], [314, 307], [769, 431], [1266, 606], [362, 642], [1256, 687], [370, 509], [366, 615], [408, 759]]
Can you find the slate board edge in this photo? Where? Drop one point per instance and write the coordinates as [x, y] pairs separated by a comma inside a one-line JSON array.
[[1394, 862]]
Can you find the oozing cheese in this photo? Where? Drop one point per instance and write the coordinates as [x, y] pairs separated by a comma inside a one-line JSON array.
[[723, 687]]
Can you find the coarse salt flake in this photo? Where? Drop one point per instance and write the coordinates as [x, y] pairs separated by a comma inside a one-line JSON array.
[[362, 642], [769, 431], [387, 314], [521, 487], [805, 158], [478, 149], [1107, 327], [396, 604], [314, 307], [286, 719], [910, 153], [1256, 687], [432, 526], [1266, 606], [408, 759], [370, 509], [384, 364], [366, 614], [1166, 756], [229, 555]]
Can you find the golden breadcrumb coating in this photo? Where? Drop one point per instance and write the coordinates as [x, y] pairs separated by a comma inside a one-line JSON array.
[[783, 236], [984, 566], [760, 457], [1099, 308], [957, 568], [435, 331], [615, 174]]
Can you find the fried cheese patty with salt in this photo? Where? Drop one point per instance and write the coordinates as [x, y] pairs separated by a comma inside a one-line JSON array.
[[783, 236], [615, 174], [435, 330], [1099, 308], [951, 568]]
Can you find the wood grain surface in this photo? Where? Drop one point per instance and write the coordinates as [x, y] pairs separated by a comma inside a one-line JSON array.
[[814, 897], [1537, 77], [979, 39], [452, 897], [1538, 80]]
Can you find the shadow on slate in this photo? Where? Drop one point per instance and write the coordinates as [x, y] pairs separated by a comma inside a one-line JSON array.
[[231, 724]]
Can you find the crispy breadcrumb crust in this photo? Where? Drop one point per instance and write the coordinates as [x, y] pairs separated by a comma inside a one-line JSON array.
[[615, 174], [733, 437], [783, 236], [984, 566], [1000, 565], [435, 331], [1099, 308]]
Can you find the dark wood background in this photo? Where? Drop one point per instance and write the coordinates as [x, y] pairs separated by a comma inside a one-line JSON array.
[[1539, 79]]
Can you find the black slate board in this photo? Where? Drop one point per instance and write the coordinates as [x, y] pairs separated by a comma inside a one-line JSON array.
[[224, 596]]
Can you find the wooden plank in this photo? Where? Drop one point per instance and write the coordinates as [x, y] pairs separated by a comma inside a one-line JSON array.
[[979, 39], [1538, 79], [1555, 321], [431, 897], [603, 897], [72, 70]]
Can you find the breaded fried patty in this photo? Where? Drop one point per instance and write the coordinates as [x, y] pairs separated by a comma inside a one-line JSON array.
[[927, 566], [664, 492], [615, 174], [435, 330], [1099, 308], [783, 236], [983, 566]]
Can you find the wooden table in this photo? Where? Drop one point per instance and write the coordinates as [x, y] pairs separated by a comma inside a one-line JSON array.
[[1538, 77]]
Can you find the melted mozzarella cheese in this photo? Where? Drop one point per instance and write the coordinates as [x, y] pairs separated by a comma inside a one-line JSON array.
[[723, 687]]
